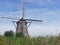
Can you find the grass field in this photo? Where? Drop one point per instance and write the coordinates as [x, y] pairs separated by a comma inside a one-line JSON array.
[[48, 40]]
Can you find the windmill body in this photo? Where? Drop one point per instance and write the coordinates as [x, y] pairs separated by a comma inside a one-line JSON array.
[[22, 27]]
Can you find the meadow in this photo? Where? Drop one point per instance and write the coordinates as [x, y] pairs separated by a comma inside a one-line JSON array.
[[47, 40]]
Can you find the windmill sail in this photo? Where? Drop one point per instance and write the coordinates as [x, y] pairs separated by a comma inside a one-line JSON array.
[[5, 17], [34, 20], [22, 8]]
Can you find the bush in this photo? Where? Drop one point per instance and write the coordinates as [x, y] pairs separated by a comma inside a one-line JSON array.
[[8, 33], [19, 34]]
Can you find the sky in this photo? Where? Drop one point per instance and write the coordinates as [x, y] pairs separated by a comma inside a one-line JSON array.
[[46, 10]]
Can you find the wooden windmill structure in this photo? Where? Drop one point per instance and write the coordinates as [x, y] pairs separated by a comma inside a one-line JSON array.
[[22, 24]]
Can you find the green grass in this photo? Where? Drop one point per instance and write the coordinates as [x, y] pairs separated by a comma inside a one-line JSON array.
[[30, 41]]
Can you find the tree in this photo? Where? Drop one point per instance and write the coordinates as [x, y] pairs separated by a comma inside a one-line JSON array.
[[9, 33]]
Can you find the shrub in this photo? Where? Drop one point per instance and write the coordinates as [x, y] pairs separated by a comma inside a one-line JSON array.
[[19, 34], [8, 33]]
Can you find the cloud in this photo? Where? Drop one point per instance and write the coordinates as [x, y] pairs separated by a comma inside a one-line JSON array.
[[37, 30], [6, 27]]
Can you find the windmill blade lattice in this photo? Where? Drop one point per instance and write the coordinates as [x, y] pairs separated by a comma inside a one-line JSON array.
[[10, 18], [34, 20]]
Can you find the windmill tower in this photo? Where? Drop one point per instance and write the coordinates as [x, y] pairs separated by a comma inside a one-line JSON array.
[[22, 23], [22, 27]]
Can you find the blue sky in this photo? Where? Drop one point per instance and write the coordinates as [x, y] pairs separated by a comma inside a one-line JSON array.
[[46, 10]]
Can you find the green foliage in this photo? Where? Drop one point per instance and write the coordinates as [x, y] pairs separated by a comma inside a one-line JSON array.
[[8, 33], [19, 34], [30, 41]]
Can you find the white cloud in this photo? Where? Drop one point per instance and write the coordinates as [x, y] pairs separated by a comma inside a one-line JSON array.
[[36, 30], [6, 27]]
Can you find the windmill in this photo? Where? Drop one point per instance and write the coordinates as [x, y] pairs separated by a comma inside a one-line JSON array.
[[22, 24]]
